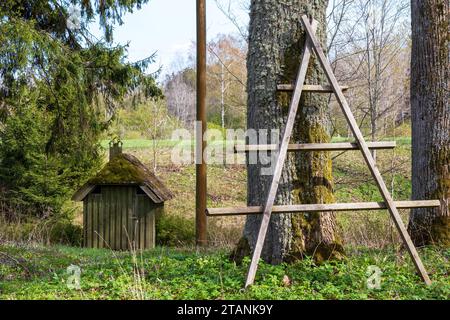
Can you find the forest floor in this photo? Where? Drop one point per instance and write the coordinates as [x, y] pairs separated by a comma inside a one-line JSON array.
[[35, 272]]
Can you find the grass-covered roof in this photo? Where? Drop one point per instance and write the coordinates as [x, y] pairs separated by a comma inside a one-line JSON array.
[[125, 169]]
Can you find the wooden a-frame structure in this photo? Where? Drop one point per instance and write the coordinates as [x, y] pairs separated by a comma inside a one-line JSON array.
[[313, 45]]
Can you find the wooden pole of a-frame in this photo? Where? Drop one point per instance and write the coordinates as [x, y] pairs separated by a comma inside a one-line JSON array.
[[200, 197], [366, 152]]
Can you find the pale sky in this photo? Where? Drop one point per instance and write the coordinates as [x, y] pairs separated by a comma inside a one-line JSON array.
[[169, 27]]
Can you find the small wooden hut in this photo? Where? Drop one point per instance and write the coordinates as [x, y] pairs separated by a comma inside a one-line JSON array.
[[120, 203]]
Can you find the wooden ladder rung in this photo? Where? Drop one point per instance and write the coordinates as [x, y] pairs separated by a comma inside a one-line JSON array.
[[243, 211], [341, 146], [309, 88]]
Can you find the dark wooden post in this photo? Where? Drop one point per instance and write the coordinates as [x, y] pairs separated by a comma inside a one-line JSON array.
[[200, 214]]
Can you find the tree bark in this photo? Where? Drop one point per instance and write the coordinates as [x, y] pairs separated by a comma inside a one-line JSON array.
[[430, 120], [276, 41]]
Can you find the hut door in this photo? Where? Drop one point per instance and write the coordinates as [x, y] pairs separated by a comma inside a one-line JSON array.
[[121, 216]]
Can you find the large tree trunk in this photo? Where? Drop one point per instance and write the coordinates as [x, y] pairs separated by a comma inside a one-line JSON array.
[[430, 120], [275, 46]]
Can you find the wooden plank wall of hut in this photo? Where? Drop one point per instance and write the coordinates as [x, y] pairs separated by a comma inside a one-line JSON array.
[[118, 218]]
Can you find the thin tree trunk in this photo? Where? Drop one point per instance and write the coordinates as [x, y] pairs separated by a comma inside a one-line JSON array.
[[275, 46], [430, 120], [222, 97]]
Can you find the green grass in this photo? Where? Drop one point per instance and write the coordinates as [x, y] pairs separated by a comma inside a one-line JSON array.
[[40, 273]]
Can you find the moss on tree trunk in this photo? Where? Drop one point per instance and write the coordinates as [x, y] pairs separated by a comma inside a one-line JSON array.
[[275, 47]]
